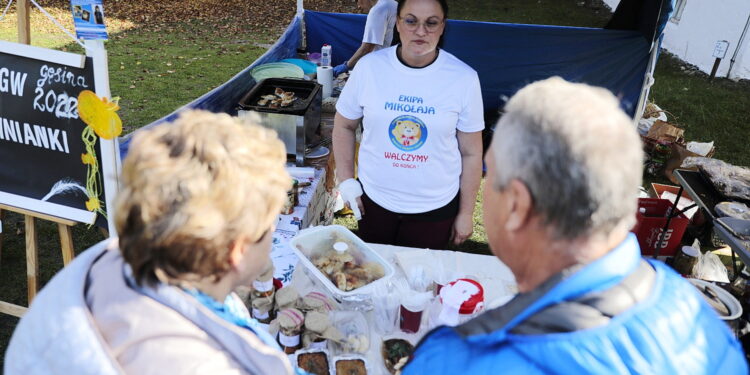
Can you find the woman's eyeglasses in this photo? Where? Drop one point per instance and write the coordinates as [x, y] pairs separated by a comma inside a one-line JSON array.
[[412, 24]]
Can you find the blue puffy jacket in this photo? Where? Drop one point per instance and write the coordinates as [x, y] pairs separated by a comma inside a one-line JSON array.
[[672, 330]]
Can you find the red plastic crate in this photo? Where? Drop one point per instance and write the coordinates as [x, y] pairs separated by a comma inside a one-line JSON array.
[[650, 224]]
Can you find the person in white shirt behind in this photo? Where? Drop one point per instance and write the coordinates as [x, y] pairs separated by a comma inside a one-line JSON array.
[[381, 18], [420, 159]]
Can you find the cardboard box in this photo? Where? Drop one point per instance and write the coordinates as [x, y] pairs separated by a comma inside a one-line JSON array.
[[664, 131], [650, 224], [657, 190]]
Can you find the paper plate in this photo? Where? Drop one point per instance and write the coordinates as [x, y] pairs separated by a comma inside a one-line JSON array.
[[276, 70], [308, 67], [318, 152]]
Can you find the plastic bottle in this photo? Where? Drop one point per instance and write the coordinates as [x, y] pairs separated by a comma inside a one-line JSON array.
[[325, 55]]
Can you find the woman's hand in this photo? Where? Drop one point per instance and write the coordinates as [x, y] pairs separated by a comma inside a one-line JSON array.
[[463, 227], [351, 193]]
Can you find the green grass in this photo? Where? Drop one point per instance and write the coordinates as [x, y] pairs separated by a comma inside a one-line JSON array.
[[709, 111], [539, 12], [155, 73]]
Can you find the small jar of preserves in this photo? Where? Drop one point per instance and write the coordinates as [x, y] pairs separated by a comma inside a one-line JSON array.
[[290, 322]]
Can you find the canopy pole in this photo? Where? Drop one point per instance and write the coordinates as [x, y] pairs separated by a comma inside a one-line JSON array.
[[648, 80], [738, 48], [301, 15]]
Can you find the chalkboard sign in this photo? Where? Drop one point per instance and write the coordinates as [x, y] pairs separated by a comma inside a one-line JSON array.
[[41, 144]]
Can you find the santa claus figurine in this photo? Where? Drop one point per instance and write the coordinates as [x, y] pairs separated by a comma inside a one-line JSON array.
[[461, 300]]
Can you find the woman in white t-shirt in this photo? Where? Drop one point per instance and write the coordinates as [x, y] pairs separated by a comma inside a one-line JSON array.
[[381, 17], [420, 159]]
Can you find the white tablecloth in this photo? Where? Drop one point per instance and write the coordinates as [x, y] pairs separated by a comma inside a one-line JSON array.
[[496, 279], [315, 208]]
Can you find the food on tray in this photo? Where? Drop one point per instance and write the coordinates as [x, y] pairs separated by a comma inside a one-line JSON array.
[[280, 98], [396, 353], [731, 181], [314, 363], [344, 268], [350, 367]]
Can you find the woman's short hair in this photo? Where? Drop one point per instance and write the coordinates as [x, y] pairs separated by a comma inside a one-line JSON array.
[[193, 187]]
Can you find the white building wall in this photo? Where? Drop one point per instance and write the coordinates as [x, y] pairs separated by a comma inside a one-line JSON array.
[[702, 24]]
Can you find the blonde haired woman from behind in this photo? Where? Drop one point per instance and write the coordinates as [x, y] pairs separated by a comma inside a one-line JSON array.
[[195, 217]]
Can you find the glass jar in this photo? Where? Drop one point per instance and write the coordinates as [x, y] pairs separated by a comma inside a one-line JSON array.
[[263, 301], [292, 199], [291, 322]]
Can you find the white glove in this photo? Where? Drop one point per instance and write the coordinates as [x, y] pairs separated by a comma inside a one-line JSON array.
[[350, 190]]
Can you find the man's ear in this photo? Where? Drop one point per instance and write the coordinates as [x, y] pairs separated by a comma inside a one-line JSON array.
[[521, 205]]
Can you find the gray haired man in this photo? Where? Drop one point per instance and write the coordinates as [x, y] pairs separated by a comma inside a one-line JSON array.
[[560, 197]]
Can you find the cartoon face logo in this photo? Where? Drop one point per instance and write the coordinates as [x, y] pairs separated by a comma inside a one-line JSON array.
[[407, 133]]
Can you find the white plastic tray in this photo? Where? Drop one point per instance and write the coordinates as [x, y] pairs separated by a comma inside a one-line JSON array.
[[735, 309], [308, 242]]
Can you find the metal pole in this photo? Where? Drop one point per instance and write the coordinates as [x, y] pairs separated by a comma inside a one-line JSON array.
[[670, 214], [648, 80], [739, 46]]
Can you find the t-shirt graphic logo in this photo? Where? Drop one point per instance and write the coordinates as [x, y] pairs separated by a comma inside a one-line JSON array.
[[407, 133]]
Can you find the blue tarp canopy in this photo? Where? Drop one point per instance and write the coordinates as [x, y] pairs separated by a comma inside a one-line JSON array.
[[506, 56], [509, 56]]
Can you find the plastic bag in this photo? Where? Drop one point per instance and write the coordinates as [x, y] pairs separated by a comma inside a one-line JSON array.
[[710, 268], [385, 300], [353, 327], [732, 181], [419, 278]]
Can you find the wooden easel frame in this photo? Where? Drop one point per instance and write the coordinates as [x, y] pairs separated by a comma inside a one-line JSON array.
[[32, 251]]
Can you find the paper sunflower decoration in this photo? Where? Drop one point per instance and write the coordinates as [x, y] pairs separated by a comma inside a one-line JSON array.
[[100, 115]]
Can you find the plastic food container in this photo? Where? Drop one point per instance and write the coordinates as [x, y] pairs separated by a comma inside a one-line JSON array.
[[353, 326], [314, 361], [351, 365], [312, 243]]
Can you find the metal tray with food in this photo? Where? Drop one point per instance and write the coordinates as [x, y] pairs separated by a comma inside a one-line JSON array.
[[341, 261]]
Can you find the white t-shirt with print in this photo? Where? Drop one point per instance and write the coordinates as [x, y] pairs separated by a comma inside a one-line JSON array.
[[379, 26], [409, 161]]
